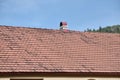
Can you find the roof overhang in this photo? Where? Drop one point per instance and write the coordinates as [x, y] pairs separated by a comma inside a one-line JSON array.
[[60, 74]]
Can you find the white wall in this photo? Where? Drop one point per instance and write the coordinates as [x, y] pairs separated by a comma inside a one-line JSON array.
[[4, 78], [82, 78]]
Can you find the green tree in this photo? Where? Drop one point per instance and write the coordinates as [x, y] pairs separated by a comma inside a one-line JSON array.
[[107, 29]]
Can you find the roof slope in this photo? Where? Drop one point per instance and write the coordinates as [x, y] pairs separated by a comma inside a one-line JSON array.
[[44, 50]]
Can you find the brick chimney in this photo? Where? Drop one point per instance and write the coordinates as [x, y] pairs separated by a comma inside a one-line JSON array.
[[63, 26]]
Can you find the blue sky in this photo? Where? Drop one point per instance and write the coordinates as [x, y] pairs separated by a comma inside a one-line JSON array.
[[79, 14]]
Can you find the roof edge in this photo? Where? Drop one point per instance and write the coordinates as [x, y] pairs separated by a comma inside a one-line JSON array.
[[69, 31], [39, 28], [60, 74]]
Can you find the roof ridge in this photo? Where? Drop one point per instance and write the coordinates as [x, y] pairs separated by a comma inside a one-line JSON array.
[[69, 31], [54, 30]]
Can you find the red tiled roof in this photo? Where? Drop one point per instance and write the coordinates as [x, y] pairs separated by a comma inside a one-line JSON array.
[[44, 50]]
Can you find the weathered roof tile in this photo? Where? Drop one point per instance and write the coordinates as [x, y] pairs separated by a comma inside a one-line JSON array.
[[44, 50]]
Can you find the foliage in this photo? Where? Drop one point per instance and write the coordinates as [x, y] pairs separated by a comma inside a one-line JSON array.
[[108, 29]]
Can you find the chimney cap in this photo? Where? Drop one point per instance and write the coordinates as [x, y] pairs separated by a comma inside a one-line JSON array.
[[63, 23]]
